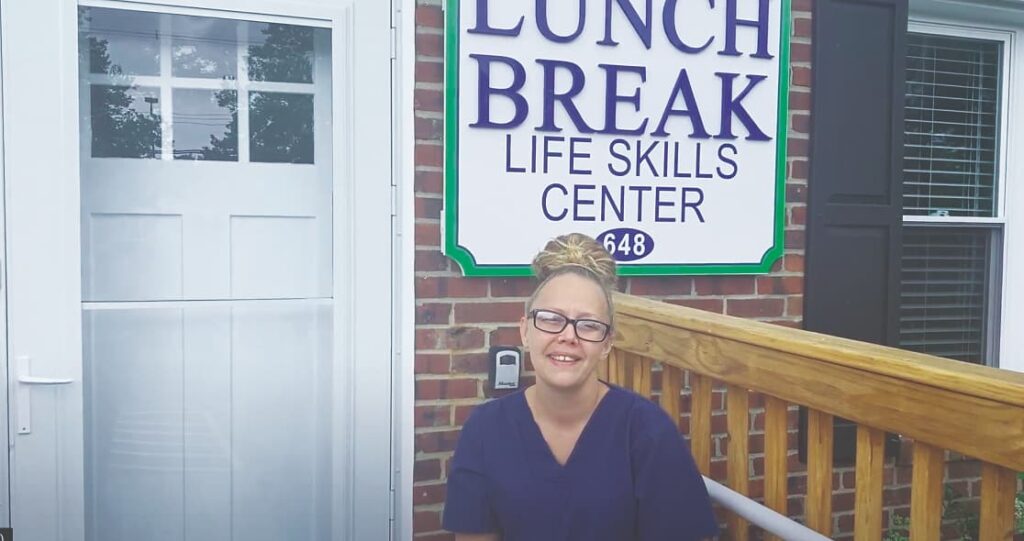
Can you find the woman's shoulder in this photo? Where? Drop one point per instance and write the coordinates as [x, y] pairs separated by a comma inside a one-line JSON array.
[[494, 412], [645, 416]]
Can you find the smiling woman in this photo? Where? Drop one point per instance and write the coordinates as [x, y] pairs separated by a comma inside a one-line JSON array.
[[572, 457]]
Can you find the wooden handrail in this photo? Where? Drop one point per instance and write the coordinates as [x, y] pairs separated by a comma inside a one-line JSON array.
[[926, 398], [942, 405], [961, 378]]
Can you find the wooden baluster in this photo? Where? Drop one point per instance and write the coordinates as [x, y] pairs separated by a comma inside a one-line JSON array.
[[738, 470], [818, 504], [776, 455], [671, 384], [926, 493], [867, 518], [602, 367], [998, 488], [626, 362], [700, 422], [616, 368], [641, 368]]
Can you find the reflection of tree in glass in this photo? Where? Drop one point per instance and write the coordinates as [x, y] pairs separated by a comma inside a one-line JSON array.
[[282, 127], [224, 148], [285, 56], [118, 130]]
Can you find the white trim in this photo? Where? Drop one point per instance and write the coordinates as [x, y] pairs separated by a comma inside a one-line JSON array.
[[5, 425], [405, 295], [952, 220], [177, 305], [1011, 339], [1009, 347]]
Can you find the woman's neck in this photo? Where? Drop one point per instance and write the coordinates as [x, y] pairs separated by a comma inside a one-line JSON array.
[[565, 407]]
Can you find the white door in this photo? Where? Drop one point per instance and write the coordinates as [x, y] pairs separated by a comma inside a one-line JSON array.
[[198, 269]]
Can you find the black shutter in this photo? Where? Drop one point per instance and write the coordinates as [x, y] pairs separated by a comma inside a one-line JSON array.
[[855, 191]]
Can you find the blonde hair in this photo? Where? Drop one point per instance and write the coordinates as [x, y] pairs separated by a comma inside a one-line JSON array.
[[577, 254]]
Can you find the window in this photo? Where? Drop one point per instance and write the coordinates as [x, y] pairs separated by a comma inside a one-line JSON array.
[[953, 218], [197, 88]]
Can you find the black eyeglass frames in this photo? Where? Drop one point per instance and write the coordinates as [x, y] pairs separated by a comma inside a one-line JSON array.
[[589, 330]]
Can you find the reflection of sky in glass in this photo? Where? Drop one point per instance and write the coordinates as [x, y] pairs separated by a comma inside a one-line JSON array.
[[203, 128], [122, 41], [204, 47], [280, 53]]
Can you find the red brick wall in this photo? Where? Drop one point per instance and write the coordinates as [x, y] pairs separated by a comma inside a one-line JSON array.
[[458, 318]]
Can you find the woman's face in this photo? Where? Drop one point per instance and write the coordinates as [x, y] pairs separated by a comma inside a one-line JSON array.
[[563, 360]]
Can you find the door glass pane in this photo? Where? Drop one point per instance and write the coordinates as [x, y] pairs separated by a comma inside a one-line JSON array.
[[205, 124], [281, 53], [281, 127], [121, 42], [125, 121], [207, 279], [204, 47]]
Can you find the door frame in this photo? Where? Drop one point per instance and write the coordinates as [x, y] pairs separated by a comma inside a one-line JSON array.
[[403, 420], [365, 298], [8, 436]]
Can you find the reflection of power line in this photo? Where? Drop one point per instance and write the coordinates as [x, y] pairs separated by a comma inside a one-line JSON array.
[[221, 125], [197, 116], [155, 36]]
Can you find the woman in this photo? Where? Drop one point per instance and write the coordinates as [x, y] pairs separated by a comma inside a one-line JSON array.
[[572, 458]]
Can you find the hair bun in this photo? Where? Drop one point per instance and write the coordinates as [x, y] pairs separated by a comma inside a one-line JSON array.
[[575, 250]]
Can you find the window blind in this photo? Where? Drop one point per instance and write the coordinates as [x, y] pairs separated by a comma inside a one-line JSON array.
[[952, 124], [944, 278]]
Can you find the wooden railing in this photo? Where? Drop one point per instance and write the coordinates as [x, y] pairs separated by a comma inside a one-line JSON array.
[[941, 405]]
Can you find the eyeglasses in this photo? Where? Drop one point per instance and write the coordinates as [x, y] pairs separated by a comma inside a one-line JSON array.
[[589, 330]]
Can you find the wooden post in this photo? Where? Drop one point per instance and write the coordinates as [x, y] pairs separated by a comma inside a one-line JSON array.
[[867, 517], [776, 455], [998, 489], [671, 384], [700, 422], [818, 504], [616, 368], [926, 493], [641, 380], [738, 466]]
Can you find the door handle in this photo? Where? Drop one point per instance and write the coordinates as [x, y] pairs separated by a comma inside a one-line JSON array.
[[32, 380], [23, 393]]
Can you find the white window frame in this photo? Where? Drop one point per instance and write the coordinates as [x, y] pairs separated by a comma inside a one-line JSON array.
[[1006, 350]]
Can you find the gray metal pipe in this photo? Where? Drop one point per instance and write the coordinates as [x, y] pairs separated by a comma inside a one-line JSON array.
[[763, 517]]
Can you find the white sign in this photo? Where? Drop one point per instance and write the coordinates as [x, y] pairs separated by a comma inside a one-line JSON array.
[[656, 126]]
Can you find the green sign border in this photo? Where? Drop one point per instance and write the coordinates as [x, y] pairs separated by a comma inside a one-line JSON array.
[[465, 259]]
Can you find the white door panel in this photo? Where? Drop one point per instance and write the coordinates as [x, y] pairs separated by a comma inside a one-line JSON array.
[[209, 422]]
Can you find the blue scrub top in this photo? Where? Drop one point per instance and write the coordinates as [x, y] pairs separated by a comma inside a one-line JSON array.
[[630, 477]]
